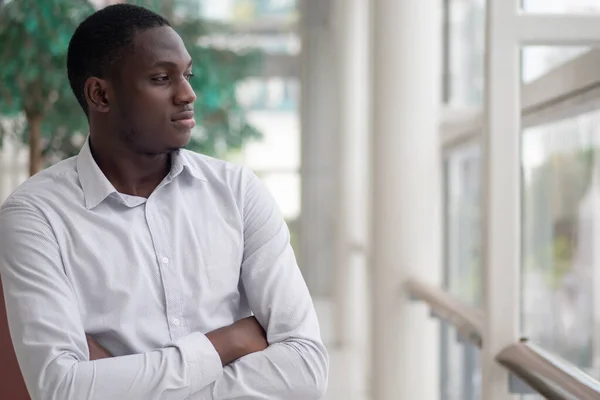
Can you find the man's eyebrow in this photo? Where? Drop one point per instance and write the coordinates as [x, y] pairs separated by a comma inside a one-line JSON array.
[[168, 64]]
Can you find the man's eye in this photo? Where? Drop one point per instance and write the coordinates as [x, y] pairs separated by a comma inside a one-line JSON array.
[[161, 78], [189, 76]]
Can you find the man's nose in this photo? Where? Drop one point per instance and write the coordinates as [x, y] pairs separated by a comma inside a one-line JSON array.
[[185, 93]]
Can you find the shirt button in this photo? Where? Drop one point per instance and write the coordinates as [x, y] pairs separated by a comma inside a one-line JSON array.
[[165, 260], [176, 321]]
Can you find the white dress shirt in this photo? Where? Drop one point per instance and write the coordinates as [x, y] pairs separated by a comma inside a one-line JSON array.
[[147, 278]]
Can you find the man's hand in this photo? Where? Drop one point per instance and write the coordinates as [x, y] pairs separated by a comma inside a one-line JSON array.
[[231, 342], [97, 352], [238, 339]]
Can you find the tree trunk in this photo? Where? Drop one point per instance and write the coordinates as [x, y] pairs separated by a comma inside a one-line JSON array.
[[36, 159]]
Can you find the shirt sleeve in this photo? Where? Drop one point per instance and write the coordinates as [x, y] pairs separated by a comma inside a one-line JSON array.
[[295, 365], [49, 338]]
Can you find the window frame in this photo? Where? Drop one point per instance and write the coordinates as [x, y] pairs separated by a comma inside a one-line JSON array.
[[567, 90]]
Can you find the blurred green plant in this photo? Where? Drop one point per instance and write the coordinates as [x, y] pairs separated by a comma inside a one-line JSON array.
[[34, 38], [552, 206]]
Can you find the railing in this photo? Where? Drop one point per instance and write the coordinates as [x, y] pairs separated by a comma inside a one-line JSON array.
[[541, 371], [468, 321], [547, 374]]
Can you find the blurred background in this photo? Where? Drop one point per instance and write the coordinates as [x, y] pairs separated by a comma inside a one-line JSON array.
[[377, 125]]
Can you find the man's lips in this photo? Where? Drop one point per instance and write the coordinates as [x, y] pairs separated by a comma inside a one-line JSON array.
[[184, 119]]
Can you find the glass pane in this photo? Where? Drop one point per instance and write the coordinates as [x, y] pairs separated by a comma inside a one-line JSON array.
[[561, 6], [561, 239], [463, 224], [461, 373], [465, 53], [538, 60]]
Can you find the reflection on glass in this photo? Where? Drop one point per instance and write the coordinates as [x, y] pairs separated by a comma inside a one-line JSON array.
[[538, 60], [461, 372], [561, 6], [463, 224], [561, 239]]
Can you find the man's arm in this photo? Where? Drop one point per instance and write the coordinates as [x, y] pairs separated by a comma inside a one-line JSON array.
[[295, 365], [51, 345], [231, 342]]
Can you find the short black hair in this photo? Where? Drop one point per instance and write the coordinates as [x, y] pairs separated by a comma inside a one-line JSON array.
[[100, 40]]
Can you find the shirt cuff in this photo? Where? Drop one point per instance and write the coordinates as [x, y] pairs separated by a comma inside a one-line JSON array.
[[203, 361]]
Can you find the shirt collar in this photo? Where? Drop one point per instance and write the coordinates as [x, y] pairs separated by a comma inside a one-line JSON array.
[[96, 187], [180, 162], [93, 181]]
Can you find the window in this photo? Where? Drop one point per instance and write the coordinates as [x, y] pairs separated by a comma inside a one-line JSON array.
[[539, 60], [276, 158], [463, 224], [461, 370], [559, 213], [464, 58], [561, 239], [248, 10], [561, 6]]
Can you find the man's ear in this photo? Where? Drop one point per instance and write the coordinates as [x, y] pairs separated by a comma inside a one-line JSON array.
[[96, 94]]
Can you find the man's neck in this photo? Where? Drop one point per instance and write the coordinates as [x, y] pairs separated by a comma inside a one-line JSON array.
[[129, 172]]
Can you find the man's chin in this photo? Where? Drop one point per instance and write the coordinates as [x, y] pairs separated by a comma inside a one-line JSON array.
[[172, 150], [180, 140]]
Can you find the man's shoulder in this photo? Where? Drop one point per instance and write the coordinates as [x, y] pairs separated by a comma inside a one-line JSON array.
[[214, 170], [55, 182]]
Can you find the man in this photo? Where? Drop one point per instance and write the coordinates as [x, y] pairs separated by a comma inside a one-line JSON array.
[[171, 262]]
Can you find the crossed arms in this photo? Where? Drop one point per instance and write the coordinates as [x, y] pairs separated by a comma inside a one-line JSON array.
[[231, 342], [232, 362]]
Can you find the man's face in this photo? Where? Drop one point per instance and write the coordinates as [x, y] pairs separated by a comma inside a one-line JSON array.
[[154, 100]]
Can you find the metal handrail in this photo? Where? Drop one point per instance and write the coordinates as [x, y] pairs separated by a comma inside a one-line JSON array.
[[547, 374], [468, 321]]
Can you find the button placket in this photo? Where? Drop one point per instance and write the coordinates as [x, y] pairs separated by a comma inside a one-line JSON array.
[[161, 249]]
